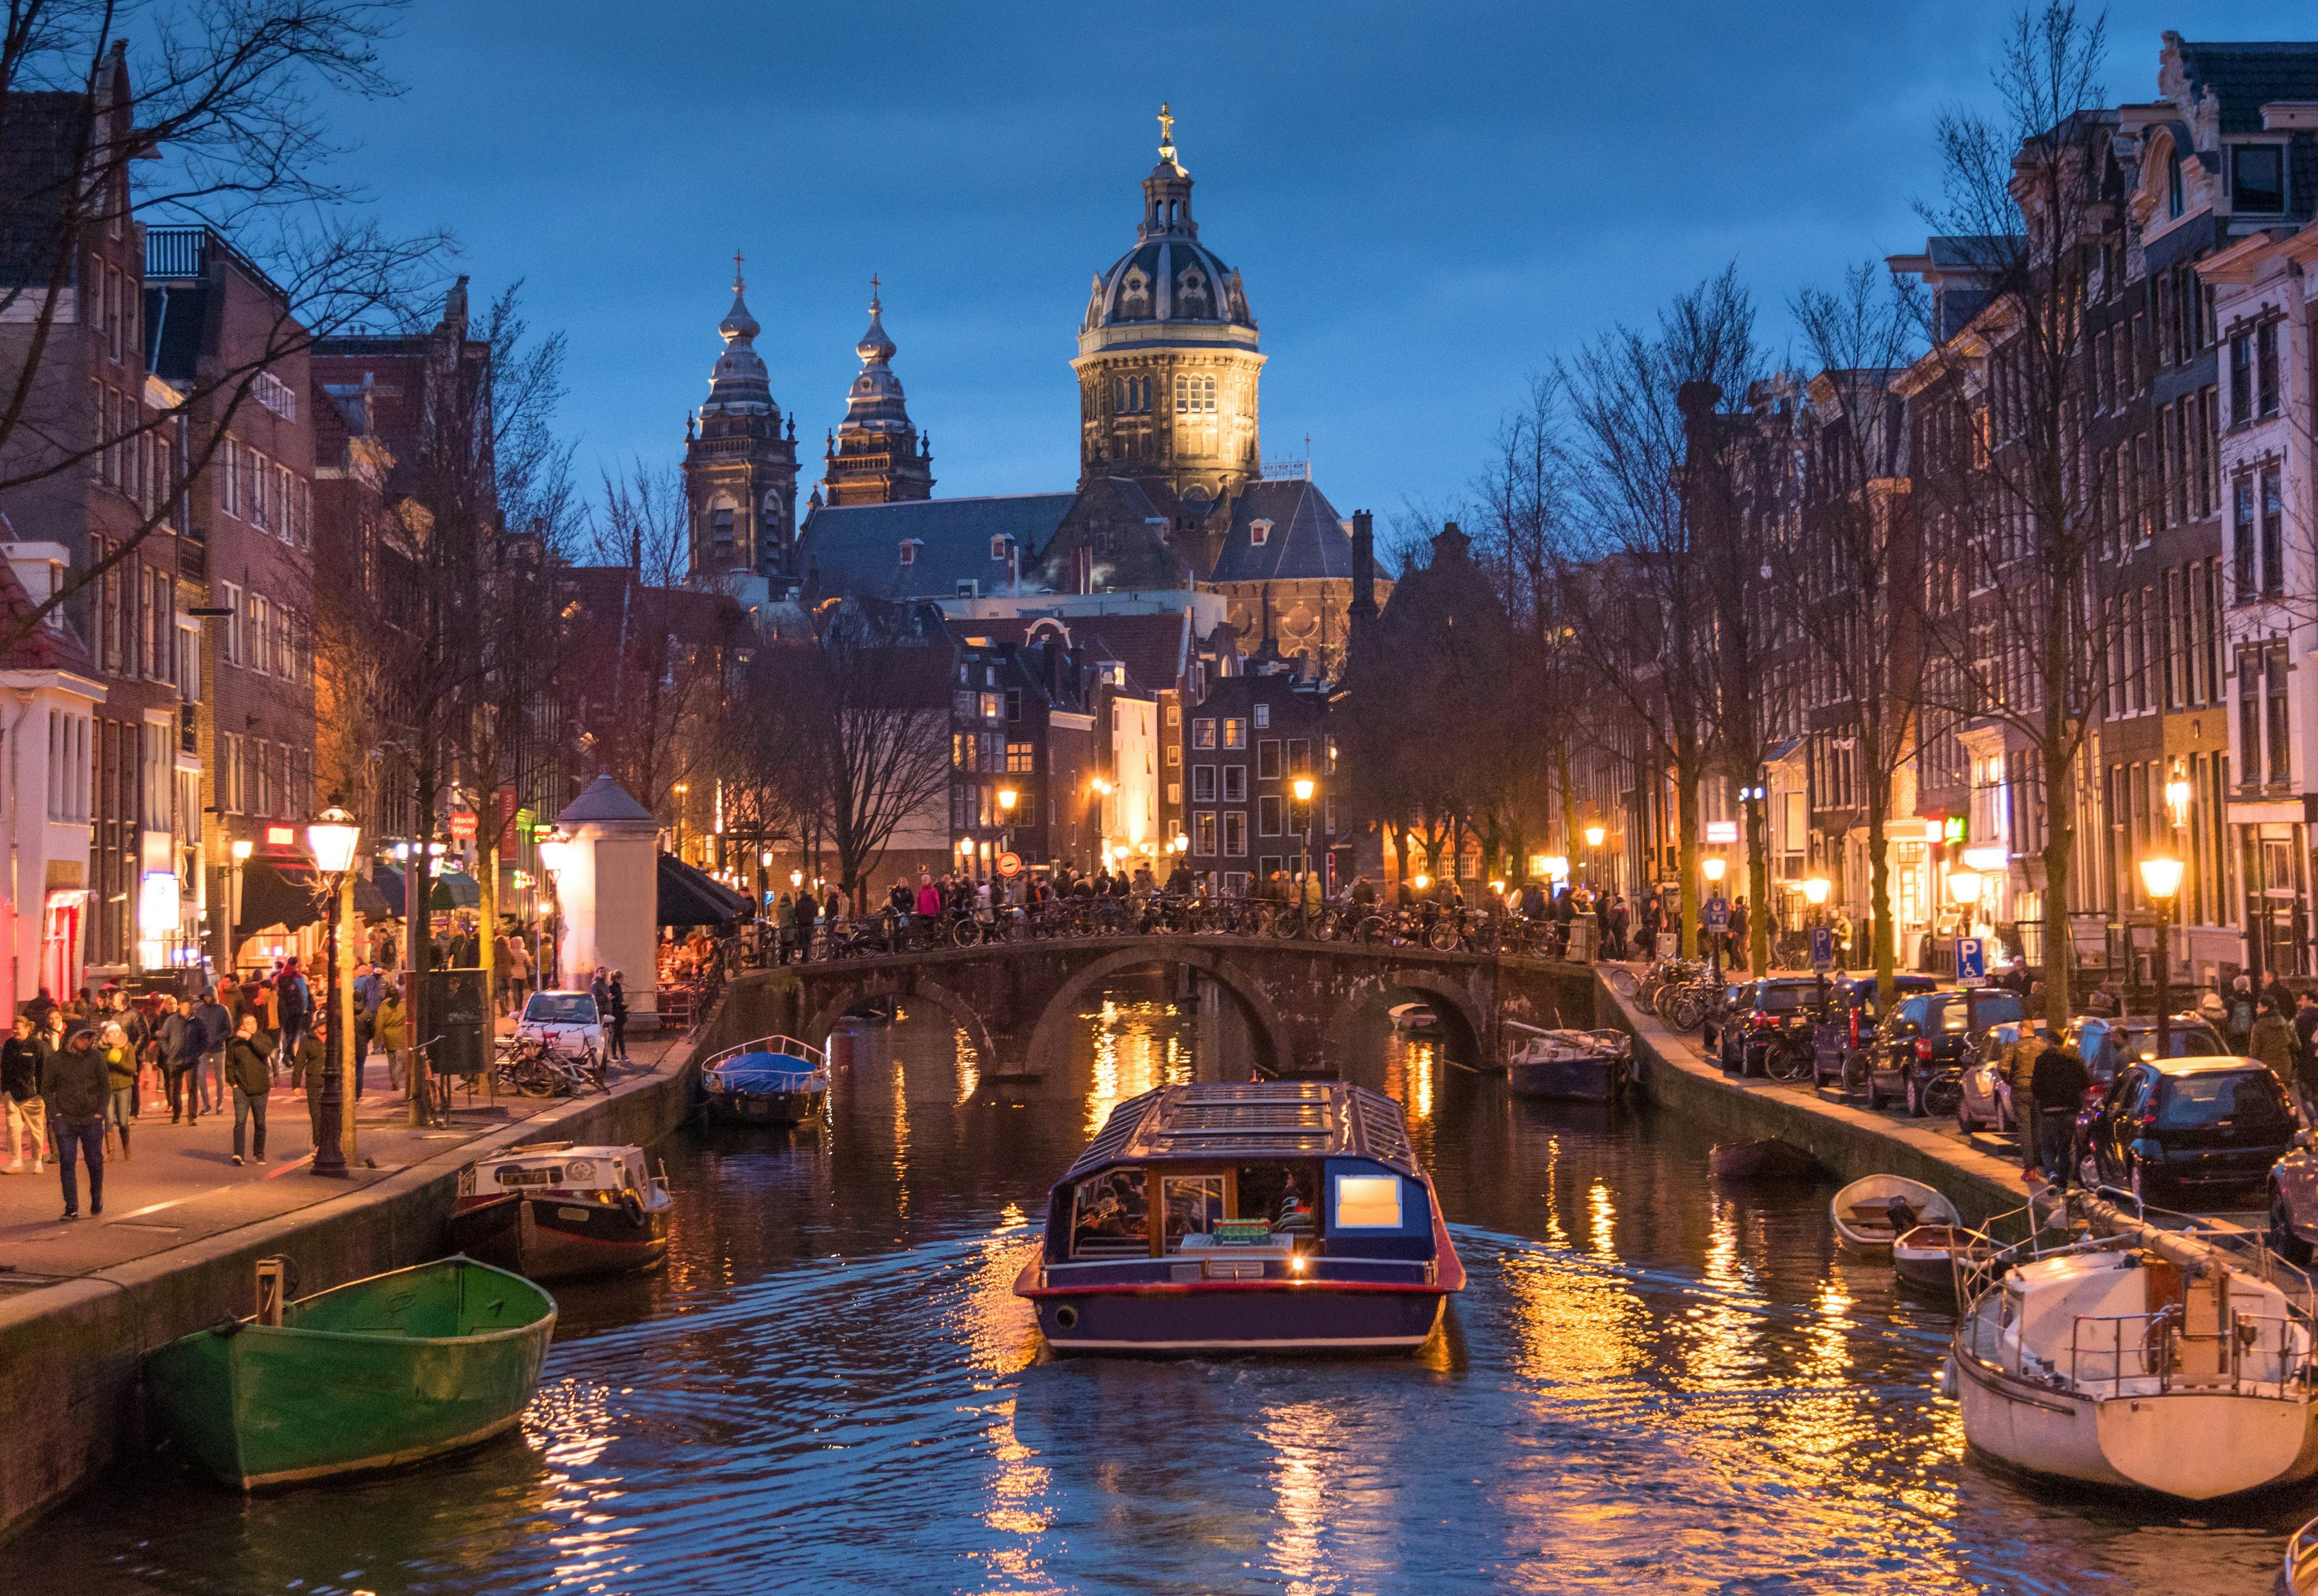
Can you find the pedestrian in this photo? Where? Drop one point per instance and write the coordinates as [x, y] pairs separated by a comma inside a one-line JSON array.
[[309, 1069], [121, 1078], [518, 973], [929, 903], [2237, 1025], [217, 1030], [77, 1087], [2058, 1087], [249, 1067], [391, 1028], [1739, 946], [2272, 1042], [23, 1066], [295, 1002], [598, 989], [42, 1006], [2020, 1072], [616, 999], [182, 1042]]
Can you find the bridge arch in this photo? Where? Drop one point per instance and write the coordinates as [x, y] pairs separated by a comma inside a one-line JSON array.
[[1271, 1032], [1461, 1016], [909, 984]]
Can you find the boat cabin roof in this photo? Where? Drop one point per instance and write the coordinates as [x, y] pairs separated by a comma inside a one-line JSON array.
[[539, 1154], [1262, 1119]]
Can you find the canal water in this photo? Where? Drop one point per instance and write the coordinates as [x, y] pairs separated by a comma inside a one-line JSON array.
[[1654, 1382]]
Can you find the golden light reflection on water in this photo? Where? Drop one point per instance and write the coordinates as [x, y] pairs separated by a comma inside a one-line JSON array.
[[1308, 1439], [969, 1066], [1572, 1322], [1412, 1065], [998, 1329], [1018, 1483], [901, 1129], [1136, 1046]]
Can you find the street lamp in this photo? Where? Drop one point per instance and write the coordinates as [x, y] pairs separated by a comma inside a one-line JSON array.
[[2177, 798], [1594, 836], [1963, 888], [1815, 890], [554, 851], [2163, 878], [332, 837], [1711, 867], [1006, 799], [1303, 786], [796, 880]]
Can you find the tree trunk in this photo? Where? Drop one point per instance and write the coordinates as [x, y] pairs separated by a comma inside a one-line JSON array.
[[1759, 889], [1688, 832]]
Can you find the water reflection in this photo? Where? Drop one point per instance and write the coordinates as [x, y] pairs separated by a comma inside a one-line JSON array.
[[1654, 1382]]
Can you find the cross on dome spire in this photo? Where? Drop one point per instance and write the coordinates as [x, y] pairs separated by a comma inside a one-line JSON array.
[[1166, 133]]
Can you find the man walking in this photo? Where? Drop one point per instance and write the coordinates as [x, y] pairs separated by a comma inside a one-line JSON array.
[[249, 1067], [308, 1066], [2058, 1085], [182, 1042], [217, 1029], [295, 1002], [78, 1087], [23, 1063]]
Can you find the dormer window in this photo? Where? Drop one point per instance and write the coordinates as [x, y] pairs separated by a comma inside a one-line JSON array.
[[998, 546], [1191, 292], [1259, 532], [1135, 294], [2258, 178], [909, 547]]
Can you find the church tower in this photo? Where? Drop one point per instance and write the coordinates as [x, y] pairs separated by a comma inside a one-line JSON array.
[[1168, 363], [740, 472], [876, 457]]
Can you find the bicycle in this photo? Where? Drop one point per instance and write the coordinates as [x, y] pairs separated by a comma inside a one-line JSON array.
[[434, 1095]]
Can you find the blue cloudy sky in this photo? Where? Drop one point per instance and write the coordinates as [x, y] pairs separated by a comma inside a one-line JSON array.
[[1427, 202]]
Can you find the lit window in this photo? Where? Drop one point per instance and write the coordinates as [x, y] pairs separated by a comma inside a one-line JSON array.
[[1367, 1202], [1235, 732], [998, 547], [909, 551], [1259, 532]]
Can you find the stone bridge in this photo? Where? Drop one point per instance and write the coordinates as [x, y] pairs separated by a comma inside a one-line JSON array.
[[1294, 1002]]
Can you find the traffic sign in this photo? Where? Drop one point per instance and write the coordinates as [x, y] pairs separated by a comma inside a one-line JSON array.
[[1718, 915], [1822, 939], [1972, 961], [1009, 863]]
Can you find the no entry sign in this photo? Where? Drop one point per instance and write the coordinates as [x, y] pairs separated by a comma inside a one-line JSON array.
[[1009, 863]]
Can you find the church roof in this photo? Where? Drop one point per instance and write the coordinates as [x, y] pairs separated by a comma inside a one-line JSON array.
[[738, 384], [876, 404], [1169, 276], [855, 550], [1306, 538]]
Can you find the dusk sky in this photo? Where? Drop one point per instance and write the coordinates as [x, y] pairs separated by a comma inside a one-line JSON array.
[[1426, 203]]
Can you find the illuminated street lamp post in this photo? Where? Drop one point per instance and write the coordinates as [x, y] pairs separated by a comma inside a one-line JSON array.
[[1712, 867], [554, 850], [1305, 787], [332, 837], [2163, 878], [1006, 799], [1594, 837]]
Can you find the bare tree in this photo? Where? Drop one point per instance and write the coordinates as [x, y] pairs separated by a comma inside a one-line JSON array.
[[2015, 520], [210, 121]]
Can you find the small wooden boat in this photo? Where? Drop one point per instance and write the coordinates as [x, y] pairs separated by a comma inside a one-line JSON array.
[[1589, 1066], [2146, 1359], [772, 1080], [1928, 1254], [1746, 1159], [1873, 1213], [2299, 1575], [1412, 1017], [370, 1374], [553, 1211], [1273, 1215]]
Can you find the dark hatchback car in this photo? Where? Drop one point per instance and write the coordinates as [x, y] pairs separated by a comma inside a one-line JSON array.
[[1848, 1025], [1928, 1034], [2175, 1127], [1766, 1027]]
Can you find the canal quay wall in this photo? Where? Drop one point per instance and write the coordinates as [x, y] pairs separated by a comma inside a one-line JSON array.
[[1851, 1142], [72, 1354]]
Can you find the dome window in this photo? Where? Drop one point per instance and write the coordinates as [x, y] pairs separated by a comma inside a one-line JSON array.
[[1135, 294], [1191, 292]]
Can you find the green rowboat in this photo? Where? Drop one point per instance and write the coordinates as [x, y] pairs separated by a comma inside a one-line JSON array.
[[369, 1375]]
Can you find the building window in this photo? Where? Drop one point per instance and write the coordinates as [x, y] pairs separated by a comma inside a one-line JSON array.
[[2241, 536], [1299, 756], [992, 705], [2173, 196], [2280, 744], [2250, 678], [1234, 833], [2240, 380], [2273, 536], [1267, 815], [999, 547], [1203, 784], [1234, 784], [1263, 715], [1195, 395], [2258, 178], [1174, 754], [1013, 703], [1018, 758], [1175, 795], [1203, 833], [1203, 734], [1259, 532], [1267, 759], [1235, 732], [909, 547]]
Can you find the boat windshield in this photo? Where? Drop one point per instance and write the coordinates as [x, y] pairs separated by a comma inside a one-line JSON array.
[[1110, 1215], [1195, 1208]]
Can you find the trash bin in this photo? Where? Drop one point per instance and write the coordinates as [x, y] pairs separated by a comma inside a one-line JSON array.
[[458, 1010]]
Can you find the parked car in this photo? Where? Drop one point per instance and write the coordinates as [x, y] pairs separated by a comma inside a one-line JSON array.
[[1766, 1028], [1986, 1104], [568, 1019], [1848, 1023], [2168, 1128], [2294, 1202], [1928, 1034]]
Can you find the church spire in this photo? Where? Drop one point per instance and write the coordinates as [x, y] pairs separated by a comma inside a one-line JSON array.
[[740, 473], [876, 456], [738, 384]]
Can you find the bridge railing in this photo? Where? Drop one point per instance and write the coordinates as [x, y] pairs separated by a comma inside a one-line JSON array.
[[762, 945]]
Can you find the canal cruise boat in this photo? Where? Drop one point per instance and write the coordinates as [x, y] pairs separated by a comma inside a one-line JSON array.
[[772, 1080], [1273, 1215], [556, 1211]]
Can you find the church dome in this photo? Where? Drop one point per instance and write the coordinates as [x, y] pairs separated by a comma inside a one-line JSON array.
[[1169, 276], [738, 384]]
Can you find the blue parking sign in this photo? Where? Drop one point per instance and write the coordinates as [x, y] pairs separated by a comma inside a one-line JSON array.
[[1718, 916], [1822, 947], [1972, 961]]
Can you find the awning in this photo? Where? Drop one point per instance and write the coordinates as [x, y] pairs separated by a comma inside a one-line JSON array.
[[386, 881], [277, 894], [454, 888], [372, 905], [687, 897]]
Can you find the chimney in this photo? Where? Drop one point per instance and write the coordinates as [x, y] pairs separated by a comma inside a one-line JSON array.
[[1364, 604]]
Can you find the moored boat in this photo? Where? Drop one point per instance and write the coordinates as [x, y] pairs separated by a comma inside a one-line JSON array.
[[370, 1374], [2299, 1575], [1275, 1215], [772, 1080], [2137, 1361], [1871, 1212], [1927, 1255], [1589, 1066], [1412, 1017], [1744, 1160], [554, 1211]]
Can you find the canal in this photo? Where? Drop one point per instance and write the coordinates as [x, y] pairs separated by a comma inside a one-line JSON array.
[[1653, 1382]]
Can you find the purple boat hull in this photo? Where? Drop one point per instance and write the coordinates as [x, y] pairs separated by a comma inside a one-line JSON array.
[[1240, 1319]]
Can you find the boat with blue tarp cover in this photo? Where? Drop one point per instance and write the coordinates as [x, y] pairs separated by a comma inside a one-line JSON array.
[[1269, 1215], [772, 1080]]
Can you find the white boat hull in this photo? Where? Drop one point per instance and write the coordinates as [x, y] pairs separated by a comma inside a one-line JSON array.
[[2192, 1444]]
